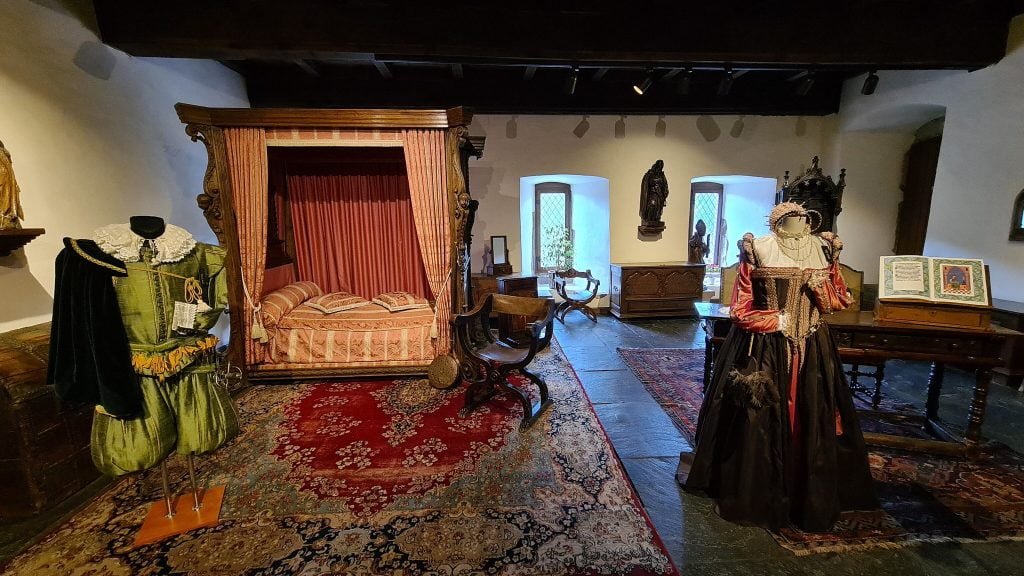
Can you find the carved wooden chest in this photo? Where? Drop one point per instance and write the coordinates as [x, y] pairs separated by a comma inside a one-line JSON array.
[[44, 455], [656, 289]]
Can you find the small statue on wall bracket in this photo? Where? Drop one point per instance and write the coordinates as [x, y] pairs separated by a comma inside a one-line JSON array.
[[653, 194], [698, 245], [11, 213]]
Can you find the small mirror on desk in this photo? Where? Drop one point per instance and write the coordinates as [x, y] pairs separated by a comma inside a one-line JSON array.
[[499, 246], [499, 249]]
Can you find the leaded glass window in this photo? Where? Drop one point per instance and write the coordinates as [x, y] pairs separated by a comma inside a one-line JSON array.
[[553, 227]]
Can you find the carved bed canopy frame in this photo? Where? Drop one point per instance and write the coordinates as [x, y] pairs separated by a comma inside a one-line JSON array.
[[207, 126]]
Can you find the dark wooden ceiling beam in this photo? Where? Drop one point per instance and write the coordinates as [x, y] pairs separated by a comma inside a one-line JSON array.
[[503, 91], [865, 33]]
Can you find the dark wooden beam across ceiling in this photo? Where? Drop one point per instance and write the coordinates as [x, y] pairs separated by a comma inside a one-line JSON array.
[[517, 57], [503, 90], [907, 33]]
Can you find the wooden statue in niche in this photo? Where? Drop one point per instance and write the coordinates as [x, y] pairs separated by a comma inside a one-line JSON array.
[[698, 245], [653, 194], [815, 191]]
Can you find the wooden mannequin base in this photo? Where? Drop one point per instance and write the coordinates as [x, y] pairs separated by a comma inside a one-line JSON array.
[[158, 526]]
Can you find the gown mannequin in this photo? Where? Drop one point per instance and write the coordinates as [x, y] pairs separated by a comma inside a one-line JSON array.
[[778, 441]]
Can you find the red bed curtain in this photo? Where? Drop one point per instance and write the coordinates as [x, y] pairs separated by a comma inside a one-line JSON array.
[[354, 227], [428, 180], [247, 167]]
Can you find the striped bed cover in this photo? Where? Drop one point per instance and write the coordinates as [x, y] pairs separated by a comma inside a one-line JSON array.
[[369, 334]]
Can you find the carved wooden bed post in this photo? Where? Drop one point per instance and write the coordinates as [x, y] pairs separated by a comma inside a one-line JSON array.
[[459, 198], [216, 202]]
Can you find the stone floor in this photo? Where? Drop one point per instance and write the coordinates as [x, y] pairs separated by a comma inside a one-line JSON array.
[[698, 540]]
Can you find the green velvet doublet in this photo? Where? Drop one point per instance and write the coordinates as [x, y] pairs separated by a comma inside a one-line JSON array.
[[184, 408]]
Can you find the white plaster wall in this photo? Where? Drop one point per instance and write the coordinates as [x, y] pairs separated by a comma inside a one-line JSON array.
[[94, 139], [592, 227], [981, 162], [691, 146], [867, 224], [747, 204]]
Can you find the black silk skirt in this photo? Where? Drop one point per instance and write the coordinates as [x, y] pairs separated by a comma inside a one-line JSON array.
[[759, 469]]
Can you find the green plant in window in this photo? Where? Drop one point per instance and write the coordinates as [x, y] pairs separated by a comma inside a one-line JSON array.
[[558, 249]]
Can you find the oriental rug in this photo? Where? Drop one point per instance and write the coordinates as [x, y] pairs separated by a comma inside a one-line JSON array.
[[924, 497], [385, 477]]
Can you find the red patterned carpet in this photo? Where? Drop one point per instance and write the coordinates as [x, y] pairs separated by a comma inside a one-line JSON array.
[[925, 498], [384, 477]]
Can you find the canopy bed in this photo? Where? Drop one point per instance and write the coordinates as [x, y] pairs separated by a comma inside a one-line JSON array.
[[345, 231]]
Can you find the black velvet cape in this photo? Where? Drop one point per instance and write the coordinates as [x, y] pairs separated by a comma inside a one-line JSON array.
[[90, 360]]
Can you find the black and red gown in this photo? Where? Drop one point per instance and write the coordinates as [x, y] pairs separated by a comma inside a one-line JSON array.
[[778, 441]]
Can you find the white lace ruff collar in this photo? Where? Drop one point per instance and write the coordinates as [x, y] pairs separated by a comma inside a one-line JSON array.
[[119, 241]]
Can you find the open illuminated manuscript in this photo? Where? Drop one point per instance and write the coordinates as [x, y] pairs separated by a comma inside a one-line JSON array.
[[947, 280]]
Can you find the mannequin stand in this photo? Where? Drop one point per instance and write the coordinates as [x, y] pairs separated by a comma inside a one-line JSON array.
[[169, 517]]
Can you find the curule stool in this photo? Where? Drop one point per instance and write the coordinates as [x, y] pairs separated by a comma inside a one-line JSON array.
[[575, 299], [487, 363]]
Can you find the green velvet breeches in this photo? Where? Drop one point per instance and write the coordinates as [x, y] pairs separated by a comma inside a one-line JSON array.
[[188, 412]]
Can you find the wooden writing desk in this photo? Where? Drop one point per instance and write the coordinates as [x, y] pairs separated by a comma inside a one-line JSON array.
[[860, 338]]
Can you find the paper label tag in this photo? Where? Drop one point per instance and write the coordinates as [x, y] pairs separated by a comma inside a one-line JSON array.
[[184, 316]]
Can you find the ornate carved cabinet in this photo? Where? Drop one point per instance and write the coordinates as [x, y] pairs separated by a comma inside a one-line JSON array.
[[656, 289]]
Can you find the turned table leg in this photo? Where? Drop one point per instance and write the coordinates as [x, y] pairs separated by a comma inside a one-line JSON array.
[[976, 416], [938, 374]]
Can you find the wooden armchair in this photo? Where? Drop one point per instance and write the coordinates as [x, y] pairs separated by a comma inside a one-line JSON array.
[[575, 299], [488, 363]]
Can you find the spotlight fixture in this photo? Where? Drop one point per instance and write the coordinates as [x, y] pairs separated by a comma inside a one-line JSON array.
[[870, 83], [805, 84], [574, 78], [683, 88], [644, 84], [725, 84]]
